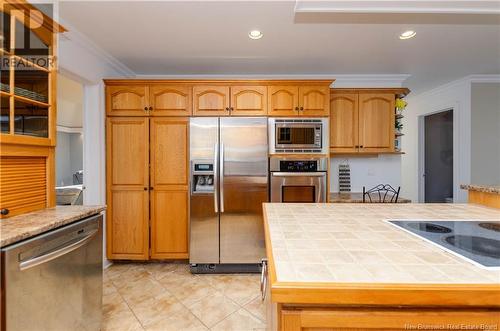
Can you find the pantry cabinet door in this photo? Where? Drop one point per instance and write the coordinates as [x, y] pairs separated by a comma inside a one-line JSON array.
[[376, 122], [171, 100], [211, 100], [127, 100], [169, 188], [344, 123], [283, 101], [249, 100], [127, 170], [314, 100]]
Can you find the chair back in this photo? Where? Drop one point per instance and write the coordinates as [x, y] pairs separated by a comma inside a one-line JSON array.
[[383, 193]]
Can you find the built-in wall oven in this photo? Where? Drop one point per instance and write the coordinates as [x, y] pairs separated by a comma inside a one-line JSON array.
[[298, 179], [298, 135]]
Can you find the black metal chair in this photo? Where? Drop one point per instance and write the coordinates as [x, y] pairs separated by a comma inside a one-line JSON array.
[[383, 193]]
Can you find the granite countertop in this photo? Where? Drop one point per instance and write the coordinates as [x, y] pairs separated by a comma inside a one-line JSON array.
[[494, 189], [355, 197], [17, 228], [352, 243]]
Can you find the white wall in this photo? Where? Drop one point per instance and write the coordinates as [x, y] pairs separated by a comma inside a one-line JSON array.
[[69, 102], [485, 135], [69, 157], [367, 171]]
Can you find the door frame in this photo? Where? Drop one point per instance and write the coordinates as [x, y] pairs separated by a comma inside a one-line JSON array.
[[421, 152]]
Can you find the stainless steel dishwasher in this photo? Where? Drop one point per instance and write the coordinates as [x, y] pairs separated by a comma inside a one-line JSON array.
[[54, 281]]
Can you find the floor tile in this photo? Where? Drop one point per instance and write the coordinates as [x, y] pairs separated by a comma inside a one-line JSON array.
[[182, 320], [257, 308], [213, 309], [158, 307], [241, 320]]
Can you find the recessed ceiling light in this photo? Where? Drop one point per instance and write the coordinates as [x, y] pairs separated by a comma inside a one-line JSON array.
[[255, 34], [407, 35]]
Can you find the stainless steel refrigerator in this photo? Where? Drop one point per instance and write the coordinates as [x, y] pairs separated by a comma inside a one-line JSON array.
[[229, 183]]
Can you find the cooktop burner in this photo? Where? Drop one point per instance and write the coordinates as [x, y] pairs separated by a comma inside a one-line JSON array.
[[428, 227], [490, 226], [476, 245], [475, 241]]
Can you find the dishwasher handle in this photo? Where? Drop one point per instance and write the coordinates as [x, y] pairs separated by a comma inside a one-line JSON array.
[[56, 253]]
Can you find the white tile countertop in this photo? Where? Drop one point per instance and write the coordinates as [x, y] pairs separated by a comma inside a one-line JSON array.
[[353, 243]]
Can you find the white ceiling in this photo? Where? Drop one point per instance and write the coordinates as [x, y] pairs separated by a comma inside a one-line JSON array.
[[210, 38]]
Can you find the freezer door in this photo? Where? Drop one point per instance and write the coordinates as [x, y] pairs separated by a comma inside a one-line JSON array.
[[204, 216], [243, 188]]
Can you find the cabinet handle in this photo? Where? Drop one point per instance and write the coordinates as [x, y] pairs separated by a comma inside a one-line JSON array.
[[227, 108], [361, 146], [145, 108], [4, 211], [151, 188], [145, 189], [150, 108], [296, 108], [231, 108], [263, 279], [301, 108]]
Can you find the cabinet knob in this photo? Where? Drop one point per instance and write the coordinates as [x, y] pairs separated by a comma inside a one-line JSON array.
[[296, 108], [231, 109], [227, 108], [145, 108], [150, 108], [361, 146], [145, 189], [301, 108], [4, 211]]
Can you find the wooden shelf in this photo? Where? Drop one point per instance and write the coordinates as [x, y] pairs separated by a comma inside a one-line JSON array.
[[28, 100]]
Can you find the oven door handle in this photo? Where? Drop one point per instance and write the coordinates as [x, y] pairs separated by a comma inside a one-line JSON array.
[[298, 174], [56, 253]]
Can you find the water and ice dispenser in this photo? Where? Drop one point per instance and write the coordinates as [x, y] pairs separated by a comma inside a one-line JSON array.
[[203, 177]]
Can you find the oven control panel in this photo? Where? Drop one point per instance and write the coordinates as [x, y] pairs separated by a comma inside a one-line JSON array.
[[298, 166]]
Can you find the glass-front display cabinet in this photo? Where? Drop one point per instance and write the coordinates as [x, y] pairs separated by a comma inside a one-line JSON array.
[[28, 71], [28, 39]]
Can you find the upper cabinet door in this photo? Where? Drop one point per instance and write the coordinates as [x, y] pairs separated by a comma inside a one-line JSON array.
[[376, 122], [249, 100], [171, 100], [314, 100], [127, 100], [211, 100], [344, 123], [283, 101]]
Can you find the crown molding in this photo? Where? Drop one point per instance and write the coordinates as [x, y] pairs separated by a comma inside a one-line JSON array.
[[398, 7], [371, 81], [73, 35]]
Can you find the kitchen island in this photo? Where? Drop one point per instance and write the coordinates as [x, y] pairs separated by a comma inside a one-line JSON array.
[[345, 267], [488, 195]]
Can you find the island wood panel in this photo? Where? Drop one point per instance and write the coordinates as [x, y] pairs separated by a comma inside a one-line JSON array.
[[211, 100], [169, 191], [171, 100], [127, 100], [314, 100], [376, 122], [344, 123], [283, 101], [485, 198], [334, 319], [249, 100], [127, 168]]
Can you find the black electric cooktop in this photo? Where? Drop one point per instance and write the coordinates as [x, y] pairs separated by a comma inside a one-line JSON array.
[[478, 241]]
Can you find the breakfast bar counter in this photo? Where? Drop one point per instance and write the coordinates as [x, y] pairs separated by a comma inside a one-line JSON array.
[[487, 195], [344, 266]]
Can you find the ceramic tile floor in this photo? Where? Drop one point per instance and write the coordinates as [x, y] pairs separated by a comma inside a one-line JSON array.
[[166, 296]]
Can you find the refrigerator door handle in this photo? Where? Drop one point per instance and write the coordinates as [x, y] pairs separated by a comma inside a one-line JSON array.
[[216, 177], [221, 177]]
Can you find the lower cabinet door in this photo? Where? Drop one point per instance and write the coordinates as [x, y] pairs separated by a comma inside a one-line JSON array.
[[127, 219], [169, 223]]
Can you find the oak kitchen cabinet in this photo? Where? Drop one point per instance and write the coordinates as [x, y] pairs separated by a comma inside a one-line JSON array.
[[362, 120], [299, 100], [235, 100], [148, 100], [147, 180], [28, 111]]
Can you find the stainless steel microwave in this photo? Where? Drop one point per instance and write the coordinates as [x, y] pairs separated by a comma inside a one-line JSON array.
[[298, 135]]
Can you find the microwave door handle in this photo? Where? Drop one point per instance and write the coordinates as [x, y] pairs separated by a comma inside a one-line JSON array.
[[216, 177], [221, 177]]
